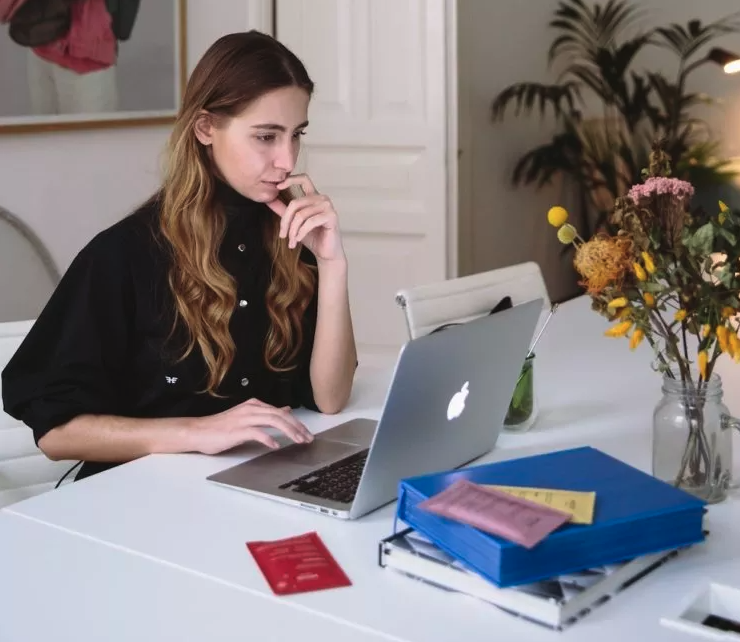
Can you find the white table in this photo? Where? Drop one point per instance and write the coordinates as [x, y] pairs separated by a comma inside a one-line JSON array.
[[151, 545], [61, 587]]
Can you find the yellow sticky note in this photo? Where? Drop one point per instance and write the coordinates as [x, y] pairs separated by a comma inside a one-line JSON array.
[[580, 505]]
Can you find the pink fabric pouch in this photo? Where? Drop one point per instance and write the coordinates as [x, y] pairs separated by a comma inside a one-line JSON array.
[[513, 518], [90, 44]]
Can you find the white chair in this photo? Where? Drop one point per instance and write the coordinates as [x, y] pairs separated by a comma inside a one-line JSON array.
[[28, 273], [24, 470], [429, 306]]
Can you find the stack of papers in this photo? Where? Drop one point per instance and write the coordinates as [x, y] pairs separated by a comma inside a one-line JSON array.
[[556, 603]]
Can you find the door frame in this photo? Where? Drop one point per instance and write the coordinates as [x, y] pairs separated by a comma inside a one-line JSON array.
[[455, 250], [261, 15]]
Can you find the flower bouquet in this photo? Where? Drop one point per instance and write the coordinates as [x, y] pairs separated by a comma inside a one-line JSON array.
[[669, 276]]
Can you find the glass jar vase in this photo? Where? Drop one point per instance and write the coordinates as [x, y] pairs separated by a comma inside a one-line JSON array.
[[522, 411], [692, 438]]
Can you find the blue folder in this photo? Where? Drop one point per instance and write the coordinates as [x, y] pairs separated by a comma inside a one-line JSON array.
[[634, 514]]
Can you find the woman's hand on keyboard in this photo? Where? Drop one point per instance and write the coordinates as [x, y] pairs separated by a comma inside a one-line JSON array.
[[244, 423]]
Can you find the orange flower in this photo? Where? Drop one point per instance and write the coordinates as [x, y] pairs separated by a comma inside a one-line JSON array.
[[723, 338], [619, 330], [619, 302], [649, 299], [639, 271], [734, 351], [603, 261], [649, 263], [636, 338], [703, 358]]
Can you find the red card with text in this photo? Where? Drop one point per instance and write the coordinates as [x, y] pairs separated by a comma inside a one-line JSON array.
[[298, 564]]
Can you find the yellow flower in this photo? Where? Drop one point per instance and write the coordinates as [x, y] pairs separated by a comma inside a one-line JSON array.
[[680, 315], [557, 216], [706, 329], [649, 299], [567, 234], [639, 271], [649, 264], [734, 351], [723, 209], [636, 338], [619, 302], [728, 312], [619, 330], [723, 338], [703, 358]]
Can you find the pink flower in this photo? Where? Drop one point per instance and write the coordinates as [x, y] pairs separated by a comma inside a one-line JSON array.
[[661, 185]]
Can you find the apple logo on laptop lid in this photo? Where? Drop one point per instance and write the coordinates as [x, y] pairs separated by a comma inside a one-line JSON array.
[[457, 403]]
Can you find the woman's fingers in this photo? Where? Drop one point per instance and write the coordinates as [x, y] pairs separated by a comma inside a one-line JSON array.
[[260, 414], [313, 222], [256, 434], [299, 179], [282, 421]]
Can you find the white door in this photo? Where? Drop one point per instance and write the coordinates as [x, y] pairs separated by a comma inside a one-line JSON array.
[[377, 144]]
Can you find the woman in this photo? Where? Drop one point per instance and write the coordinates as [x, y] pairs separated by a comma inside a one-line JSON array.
[[202, 318]]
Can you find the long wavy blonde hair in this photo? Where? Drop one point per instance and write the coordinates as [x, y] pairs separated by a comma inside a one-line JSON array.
[[236, 70]]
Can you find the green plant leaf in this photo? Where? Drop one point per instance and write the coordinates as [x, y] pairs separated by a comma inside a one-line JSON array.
[[728, 236], [726, 276], [700, 242]]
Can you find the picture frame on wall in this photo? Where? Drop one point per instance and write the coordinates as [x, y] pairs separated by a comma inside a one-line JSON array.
[[90, 64]]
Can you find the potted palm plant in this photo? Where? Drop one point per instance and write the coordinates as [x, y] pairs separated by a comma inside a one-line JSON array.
[[596, 47]]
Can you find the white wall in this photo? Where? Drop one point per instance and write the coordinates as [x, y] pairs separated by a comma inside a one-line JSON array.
[[504, 42], [500, 43], [69, 186]]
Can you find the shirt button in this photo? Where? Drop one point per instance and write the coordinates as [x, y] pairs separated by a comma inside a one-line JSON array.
[[245, 382], [243, 303], [241, 247]]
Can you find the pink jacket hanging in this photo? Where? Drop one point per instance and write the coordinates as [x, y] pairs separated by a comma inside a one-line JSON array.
[[8, 8], [90, 44]]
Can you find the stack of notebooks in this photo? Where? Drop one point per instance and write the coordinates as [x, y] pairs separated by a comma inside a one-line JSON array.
[[637, 522]]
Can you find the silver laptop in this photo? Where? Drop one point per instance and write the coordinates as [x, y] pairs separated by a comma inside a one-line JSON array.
[[445, 407]]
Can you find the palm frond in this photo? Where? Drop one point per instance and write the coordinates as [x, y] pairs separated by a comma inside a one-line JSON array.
[[590, 77], [613, 72], [585, 29], [686, 41], [539, 165], [527, 97]]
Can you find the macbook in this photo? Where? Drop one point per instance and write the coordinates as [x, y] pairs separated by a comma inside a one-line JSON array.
[[444, 408]]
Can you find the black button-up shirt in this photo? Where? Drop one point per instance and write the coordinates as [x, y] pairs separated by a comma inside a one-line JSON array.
[[100, 346]]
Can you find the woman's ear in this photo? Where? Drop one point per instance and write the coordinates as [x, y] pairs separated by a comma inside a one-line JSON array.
[[204, 128]]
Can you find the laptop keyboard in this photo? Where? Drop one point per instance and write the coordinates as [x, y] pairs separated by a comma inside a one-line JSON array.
[[337, 481]]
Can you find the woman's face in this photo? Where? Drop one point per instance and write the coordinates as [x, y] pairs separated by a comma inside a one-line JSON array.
[[258, 149]]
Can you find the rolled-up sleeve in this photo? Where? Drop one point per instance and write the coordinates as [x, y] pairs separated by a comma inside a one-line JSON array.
[[72, 361]]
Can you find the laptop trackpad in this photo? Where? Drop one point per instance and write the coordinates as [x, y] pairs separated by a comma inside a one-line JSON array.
[[318, 452]]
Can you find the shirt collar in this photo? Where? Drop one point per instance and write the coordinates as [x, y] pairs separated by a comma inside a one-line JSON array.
[[239, 208]]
